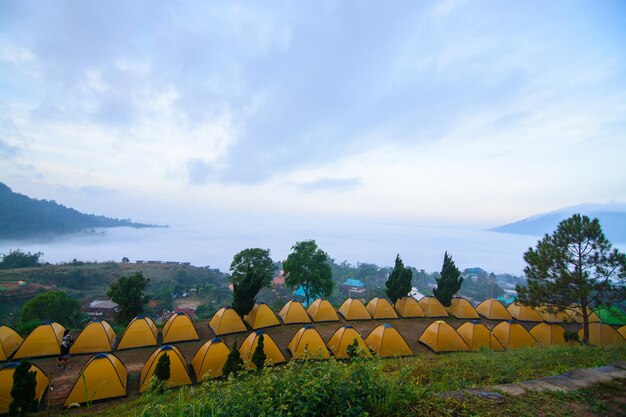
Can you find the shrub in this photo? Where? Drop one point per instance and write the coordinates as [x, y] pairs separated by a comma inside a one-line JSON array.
[[233, 364], [571, 336], [258, 357], [23, 391]]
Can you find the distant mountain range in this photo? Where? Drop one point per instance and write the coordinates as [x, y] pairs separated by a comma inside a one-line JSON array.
[[24, 217], [612, 219]]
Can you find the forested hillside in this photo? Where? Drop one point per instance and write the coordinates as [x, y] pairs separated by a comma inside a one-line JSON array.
[[24, 217]]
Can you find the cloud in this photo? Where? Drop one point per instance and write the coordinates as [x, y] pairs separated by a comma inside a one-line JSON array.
[[331, 184], [95, 190]]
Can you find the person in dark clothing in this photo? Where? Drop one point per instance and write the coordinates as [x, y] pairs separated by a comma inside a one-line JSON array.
[[64, 358]]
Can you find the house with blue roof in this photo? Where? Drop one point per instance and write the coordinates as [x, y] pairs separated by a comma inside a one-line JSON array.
[[353, 288]]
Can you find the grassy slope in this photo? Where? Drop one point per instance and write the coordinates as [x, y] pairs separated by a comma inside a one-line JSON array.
[[405, 386]]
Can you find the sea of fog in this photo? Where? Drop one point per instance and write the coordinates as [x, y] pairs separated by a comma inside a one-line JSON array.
[[214, 246]]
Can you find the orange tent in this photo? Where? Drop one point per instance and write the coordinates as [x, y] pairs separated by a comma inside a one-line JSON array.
[[387, 341], [432, 307], [308, 344], [493, 309], [549, 334], [513, 335], [353, 309], [380, 308], [321, 310], [409, 307], [261, 316], [344, 337], [601, 334], [462, 309], [226, 321], [476, 335], [523, 313], [550, 317], [294, 312]]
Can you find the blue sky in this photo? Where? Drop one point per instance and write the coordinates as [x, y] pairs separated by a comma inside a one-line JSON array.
[[450, 112]]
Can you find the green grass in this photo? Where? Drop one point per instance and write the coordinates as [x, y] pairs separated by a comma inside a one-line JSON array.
[[407, 386]]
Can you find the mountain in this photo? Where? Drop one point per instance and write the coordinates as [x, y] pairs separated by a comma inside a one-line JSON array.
[[25, 217], [612, 219]]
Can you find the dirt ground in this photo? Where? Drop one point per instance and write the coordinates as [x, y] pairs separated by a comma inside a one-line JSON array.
[[134, 359]]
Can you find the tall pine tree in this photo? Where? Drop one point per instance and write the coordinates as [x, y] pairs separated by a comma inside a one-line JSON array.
[[258, 356], [449, 283], [399, 281]]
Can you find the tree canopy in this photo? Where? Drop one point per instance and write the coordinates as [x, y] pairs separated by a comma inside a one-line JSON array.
[[308, 266], [53, 306], [129, 293], [449, 283], [574, 268], [18, 259], [399, 281], [251, 270]]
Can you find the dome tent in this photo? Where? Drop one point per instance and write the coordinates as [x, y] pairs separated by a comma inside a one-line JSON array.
[[179, 328], [521, 312], [513, 335], [209, 360], [226, 321], [97, 336], [380, 308], [10, 340], [322, 310], [476, 335], [344, 337], [178, 368], [462, 309], [140, 332], [387, 341], [293, 312], [44, 340], [601, 334], [353, 309], [261, 316], [308, 344], [409, 307], [493, 309], [104, 376], [432, 307], [549, 334], [272, 352], [6, 384], [439, 336]]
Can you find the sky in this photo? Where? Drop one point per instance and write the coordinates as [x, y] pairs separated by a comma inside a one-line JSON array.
[[452, 112]]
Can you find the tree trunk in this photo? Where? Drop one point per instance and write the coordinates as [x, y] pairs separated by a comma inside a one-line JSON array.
[[585, 323]]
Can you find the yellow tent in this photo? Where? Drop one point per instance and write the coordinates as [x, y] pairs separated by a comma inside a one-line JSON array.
[[179, 328], [321, 310], [476, 335], [493, 309], [523, 313], [103, 376], [344, 337], [387, 341], [380, 308], [209, 360], [273, 355], [622, 331], [261, 316], [6, 384], [549, 317], [9, 341], [432, 307], [575, 314], [97, 336], [462, 309], [549, 334], [226, 321], [513, 335], [178, 368], [601, 334], [409, 307], [308, 344], [294, 312], [141, 332], [45, 340], [353, 309], [441, 337]]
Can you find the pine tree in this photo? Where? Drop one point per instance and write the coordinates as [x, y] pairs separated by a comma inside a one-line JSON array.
[[258, 357], [162, 369], [449, 283], [251, 270], [399, 281], [233, 364], [23, 391]]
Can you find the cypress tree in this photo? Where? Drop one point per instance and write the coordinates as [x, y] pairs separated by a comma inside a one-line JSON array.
[[162, 369], [233, 364], [449, 283], [23, 391], [258, 357], [399, 282]]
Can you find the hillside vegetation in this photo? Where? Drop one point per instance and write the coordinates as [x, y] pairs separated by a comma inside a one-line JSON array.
[[24, 217]]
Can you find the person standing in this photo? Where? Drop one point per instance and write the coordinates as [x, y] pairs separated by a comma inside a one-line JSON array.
[[64, 358]]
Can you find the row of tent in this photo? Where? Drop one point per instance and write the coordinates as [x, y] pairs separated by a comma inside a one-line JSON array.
[[104, 376], [99, 336], [226, 320]]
